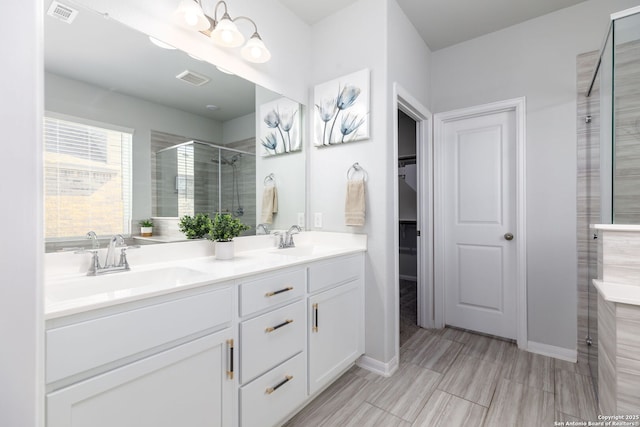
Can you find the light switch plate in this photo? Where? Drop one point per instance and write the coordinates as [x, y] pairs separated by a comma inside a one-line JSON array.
[[301, 219], [317, 220]]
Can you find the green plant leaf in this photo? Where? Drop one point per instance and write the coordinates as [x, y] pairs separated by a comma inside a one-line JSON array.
[[196, 227], [225, 228], [146, 222]]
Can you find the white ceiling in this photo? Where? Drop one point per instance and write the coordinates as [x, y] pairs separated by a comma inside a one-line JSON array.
[[443, 23], [312, 11]]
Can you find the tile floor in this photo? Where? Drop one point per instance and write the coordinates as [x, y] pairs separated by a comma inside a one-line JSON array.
[[451, 377]]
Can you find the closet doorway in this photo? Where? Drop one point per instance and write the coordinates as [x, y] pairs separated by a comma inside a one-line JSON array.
[[407, 225], [414, 229]]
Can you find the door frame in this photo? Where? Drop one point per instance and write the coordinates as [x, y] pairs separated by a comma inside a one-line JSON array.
[[518, 106], [403, 100]]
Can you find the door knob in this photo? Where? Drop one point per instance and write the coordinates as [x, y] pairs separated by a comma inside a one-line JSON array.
[[508, 236]]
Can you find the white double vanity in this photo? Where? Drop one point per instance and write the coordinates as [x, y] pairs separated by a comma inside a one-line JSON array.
[[186, 340]]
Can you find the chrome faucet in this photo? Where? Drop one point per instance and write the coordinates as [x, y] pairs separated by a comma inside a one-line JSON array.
[[286, 239], [264, 227], [110, 265], [294, 229], [116, 241], [94, 240]]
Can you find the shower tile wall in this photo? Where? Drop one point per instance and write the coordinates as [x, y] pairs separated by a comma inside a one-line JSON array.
[[588, 206], [160, 206], [206, 171], [246, 174], [626, 179], [627, 130]]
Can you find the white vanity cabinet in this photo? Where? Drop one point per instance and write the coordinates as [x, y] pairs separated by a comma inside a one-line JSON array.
[[272, 347], [246, 352], [166, 363], [299, 330], [336, 318]]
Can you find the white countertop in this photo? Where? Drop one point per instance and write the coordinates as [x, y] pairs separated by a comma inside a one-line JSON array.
[[615, 292], [615, 227], [163, 269]]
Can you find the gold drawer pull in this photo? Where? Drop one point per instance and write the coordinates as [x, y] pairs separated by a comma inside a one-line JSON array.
[[273, 328], [270, 294], [286, 379]]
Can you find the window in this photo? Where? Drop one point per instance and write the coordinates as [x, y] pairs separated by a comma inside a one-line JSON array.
[[87, 173]]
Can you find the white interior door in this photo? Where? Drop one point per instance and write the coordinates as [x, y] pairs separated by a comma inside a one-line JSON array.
[[480, 264]]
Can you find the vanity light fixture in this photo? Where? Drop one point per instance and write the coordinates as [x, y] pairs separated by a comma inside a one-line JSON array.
[[224, 31], [189, 13]]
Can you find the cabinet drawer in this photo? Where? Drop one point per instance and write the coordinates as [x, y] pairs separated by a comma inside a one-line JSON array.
[[257, 295], [269, 399], [326, 274], [82, 346], [270, 339]]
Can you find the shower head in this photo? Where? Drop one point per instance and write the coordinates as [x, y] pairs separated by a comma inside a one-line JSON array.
[[230, 162], [234, 159], [221, 160]]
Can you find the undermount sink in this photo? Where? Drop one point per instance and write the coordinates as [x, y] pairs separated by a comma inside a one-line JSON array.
[[121, 284]]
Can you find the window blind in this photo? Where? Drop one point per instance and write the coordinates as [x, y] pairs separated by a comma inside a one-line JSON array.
[[87, 180]]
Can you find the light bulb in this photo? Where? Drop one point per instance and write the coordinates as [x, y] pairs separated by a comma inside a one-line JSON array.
[[191, 17], [255, 50], [226, 36], [189, 14], [226, 33]]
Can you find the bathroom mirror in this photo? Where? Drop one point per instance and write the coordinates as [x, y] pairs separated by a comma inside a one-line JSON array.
[[99, 71]]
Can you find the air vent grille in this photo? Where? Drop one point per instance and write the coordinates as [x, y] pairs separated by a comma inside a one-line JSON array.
[[62, 12], [193, 78]]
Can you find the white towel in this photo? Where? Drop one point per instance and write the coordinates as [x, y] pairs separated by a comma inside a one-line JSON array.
[[354, 207], [269, 204]]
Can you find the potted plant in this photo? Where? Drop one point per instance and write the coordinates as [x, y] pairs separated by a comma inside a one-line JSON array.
[[197, 226], [146, 227], [224, 229]]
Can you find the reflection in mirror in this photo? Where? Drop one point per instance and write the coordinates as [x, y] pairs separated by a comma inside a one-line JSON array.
[[196, 176], [100, 72]]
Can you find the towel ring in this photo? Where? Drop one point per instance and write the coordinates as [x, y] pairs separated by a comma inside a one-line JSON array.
[[271, 178], [354, 169]]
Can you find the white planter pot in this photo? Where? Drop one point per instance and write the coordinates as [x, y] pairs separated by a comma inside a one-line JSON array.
[[224, 250], [146, 231]]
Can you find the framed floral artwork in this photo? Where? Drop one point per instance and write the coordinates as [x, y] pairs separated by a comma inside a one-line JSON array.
[[279, 129], [341, 110]]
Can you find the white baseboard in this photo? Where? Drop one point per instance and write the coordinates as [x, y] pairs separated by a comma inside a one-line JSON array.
[[552, 351], [378, 367]]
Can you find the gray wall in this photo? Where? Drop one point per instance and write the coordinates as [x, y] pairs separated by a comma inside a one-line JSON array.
[[588, 206], [536, 59]]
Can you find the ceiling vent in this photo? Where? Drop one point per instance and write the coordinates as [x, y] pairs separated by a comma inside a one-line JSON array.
[[62, 12], [192, 78]]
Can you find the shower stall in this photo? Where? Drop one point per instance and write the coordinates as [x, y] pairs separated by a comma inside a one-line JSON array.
[[199, 177], [608, 135]]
